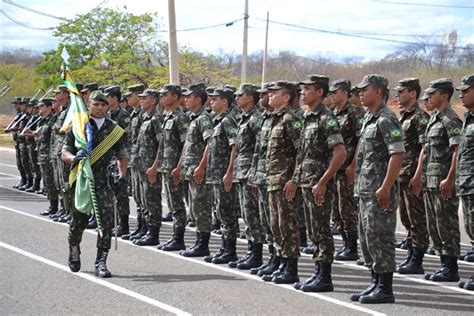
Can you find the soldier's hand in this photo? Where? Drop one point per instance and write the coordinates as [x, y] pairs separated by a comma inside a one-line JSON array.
[[319, 193], [290, 190], [176, 176], [383, 197], [227, 182], [350, 173], [151, 173], [415, 184], [446, 188], [199, 175], [81, 154]]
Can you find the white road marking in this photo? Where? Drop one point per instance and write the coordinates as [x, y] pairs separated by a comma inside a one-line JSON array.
[[8, 150], [96, 280], [7, 165]]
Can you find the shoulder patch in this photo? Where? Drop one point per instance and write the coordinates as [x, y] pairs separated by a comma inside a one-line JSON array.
[[456, 131], [395, 132], [297, 125], [331, 123], [233, 131], [206, 124], [424, 121]]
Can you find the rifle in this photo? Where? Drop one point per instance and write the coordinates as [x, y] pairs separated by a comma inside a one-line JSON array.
[[14, 127], [36, 94], [17, 117], [4, 91], [46, 94], [30, 126]]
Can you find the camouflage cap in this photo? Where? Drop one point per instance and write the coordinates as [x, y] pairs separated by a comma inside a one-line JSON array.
[[373, 79], [439, 84], [18, 99], [265, 87], [340, 84], [137, 88], [90, 87], [231, 87], [466, 82], [171, 88], [98, 96], [150, 93], [210, 90], [282, 84], [45, 102], [312, 79], [411, 83], [112, 90], [222, 92], [33, 102], [183, 90], [79, 86], [194, 88], [424, 96], [24, 100], [103, 87], [61, 88], [247, 88]]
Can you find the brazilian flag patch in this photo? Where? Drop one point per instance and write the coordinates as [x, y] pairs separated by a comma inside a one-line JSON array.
[[456, 131], [297, 125], [331, 123], [424, 121], [395, 132], [360, 120], [233, 132], [206, 125]]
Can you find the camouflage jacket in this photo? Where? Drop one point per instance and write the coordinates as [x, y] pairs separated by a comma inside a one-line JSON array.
[[282, 148], [44, 137], [259, 165], [321, 132], [249, 127], [57, 137], [413, 122], [121, 117], [132, 136], [442, 133], [465, 166], [149, 139], [381, 136]]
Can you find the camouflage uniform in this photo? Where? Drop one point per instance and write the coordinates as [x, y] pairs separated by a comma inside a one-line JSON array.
[[280, 162], [381, 137], [199, 195], [135, 122], [23, 146], [249, 127], [442, 133], [103, 190], [320, 134], [174, 135], [43, 143], [33, 153]]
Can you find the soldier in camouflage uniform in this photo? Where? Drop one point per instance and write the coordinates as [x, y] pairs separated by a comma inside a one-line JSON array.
[[88, 88], [280, 162], [120, 116], [149, 140], [379, 157], [101, 128], [25, 161], [31, 125], [174, 135], [19, 115], [412, 209], [438, 168], [320, 154], [350, 119], [192, 164], [132, 142], [465, 172]]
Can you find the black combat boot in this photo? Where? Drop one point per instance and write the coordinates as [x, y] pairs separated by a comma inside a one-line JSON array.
[[281, 269], [468, 284], [323, 283], [177, 242], [317, 269], [350, 250], [230, 253], [234, 264], [290, 275], [415, 265], [21, 183], [271, 251], [36, 185], [137, 230], [374, 282], [218, 253], [27, 185], [408, 258], [53, 208], [92, 224], [309, 250], [429, 275], [344, 243], [142, 232], [123, 227], [202, 247], [101, 263], [383, 293], [449, 273], [216, 224], [151, 238], [401, 244], [303, 238], [468, 256], [168, 217], [74, 261], [255, 259], [430, 251], [64, 219], [273, 266]]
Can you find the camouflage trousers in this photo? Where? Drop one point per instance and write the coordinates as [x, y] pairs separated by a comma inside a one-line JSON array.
[[301, 208], [200, 205], [150, 197], [18, 160], [48, 181], [345, 205], [250, 213], [377, 233], [225, 211], [60, 170], [25, 160], [136, 188], [264, 211], [443, 222], [284, 224], [318, 223], [413, 217], [123, 201], [467, 202], [33, 160], [104, 196], [175, 199]]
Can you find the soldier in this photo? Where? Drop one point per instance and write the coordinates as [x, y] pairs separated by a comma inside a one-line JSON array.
[[31, 125], [412, 211], [439, 168], [192, 164], [87, 90], [355, 97], [379, 157], [25, 162], [132, 141], [148, 143], [320, 154], [102, 128], [350, 119], [19, 115], [120, 116], [280, 162], [465, 172], [174, 135]]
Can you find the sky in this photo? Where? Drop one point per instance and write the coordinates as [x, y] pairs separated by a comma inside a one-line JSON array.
[[391, 18]]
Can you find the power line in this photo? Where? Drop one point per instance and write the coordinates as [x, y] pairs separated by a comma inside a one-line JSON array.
[[34, 10], [428, 4], [227, 24]]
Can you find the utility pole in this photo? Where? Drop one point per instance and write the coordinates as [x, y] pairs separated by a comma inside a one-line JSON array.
[[173, 44], [243, 77], [265, 52]]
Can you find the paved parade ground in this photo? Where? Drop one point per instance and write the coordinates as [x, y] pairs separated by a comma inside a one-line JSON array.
[[35, 278]]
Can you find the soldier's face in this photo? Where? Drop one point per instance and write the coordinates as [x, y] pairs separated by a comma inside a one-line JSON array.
[[405, 98], [61, 97], [242, 100], [368, 96], [467, 98], [310, 94], [218, 105], [98, 109], [167, 100], [264, 99], [355, 99], [44, 110], [193, 103], [435, 99], [147, 103], [278, 99], [427, 105], [134, 100]]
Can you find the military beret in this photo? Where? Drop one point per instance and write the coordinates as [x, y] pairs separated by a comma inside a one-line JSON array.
[[171, 88], [281, 84], [265, 86], [24, 100], [150, 93], [247, 88], [340, 84], [411, 83], [231, 87], [112, 90], [61, 88], [47, 102], [312, 79], [99, 96], [90, 87], [222, 92], [373, 79], [442, 83], [466, 82], [194, 88]]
